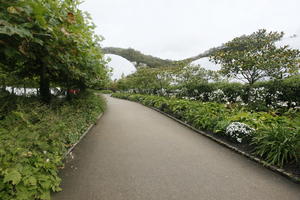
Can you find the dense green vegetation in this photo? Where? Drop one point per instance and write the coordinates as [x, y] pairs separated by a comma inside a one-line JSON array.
[[141, 60], [194, 82], [44, 45], [106, 91], [275, 137], [49, 44], [256, 56], [155, 81], [138, 58], [33, 139]]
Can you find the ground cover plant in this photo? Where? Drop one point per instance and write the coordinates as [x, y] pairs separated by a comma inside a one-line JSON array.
[[274, 137], [33, 139], [49, 47], [106, 91]]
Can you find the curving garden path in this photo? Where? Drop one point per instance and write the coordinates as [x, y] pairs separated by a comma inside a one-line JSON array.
[[135, 153]]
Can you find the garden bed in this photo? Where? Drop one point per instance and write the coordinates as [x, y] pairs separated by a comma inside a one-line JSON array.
[[34, 138]]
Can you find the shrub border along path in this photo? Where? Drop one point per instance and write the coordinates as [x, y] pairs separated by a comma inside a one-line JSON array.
[[276, 169], [82, 136]]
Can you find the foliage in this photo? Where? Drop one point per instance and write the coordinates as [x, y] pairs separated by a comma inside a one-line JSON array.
[[276, 137], [106, 91], [261, 96], [277, 144], [191, 75], [141, 60], [148, 81], [254, 57], [33, 138], [138, 58], [164, 80], [50, 42]]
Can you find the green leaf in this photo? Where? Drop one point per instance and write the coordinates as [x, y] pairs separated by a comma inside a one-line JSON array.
[[14, 176], [24, 193], [45, 195], [30, 181], [12, 10]]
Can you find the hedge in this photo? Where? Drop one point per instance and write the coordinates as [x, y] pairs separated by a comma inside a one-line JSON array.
[[260, 96]]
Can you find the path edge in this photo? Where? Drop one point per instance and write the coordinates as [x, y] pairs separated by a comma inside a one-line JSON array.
[[82, 136], [273, 168]]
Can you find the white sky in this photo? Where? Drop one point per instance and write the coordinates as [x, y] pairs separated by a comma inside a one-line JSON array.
[[176, 29]]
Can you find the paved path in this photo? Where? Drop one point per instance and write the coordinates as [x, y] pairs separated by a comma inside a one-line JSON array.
[[135, 153]]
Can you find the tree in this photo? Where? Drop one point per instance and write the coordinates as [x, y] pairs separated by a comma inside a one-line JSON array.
[[256, 56], [52, 40], [148, 80], [195, 74]]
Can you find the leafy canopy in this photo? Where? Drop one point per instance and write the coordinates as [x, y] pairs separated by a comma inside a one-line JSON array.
[[52, 40], [256, 56]]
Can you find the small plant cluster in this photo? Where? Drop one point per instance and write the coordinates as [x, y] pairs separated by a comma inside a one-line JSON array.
[[106, 91], [261, 96], [33, 139], [276, 138], [239, 131], [278, 144]]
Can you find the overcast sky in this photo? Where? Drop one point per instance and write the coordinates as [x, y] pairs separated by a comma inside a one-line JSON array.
[[176, 29]]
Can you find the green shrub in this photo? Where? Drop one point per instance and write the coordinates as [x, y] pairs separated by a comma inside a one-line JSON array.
[[33, 139], [106, 91], [279, 93], [277, 144], [232, 91], [120, 95], [291, 90], [221, 126]]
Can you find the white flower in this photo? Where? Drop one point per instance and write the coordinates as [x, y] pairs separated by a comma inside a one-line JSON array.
[[47, 160], [238, 131]]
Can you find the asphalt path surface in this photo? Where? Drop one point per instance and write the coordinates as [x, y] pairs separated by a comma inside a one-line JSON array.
[[136, 153]]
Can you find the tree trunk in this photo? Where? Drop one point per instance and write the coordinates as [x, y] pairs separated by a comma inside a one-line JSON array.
[[44, 85], [68, 94]]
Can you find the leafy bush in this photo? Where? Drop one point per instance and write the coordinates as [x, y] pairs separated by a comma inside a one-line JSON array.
[[261, 96], [33, 138], [232, 91], [277, 144], [120, 95], [221, 126], [106, 91]]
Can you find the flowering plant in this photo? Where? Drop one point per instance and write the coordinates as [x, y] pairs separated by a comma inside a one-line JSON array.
[[239, 131]]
